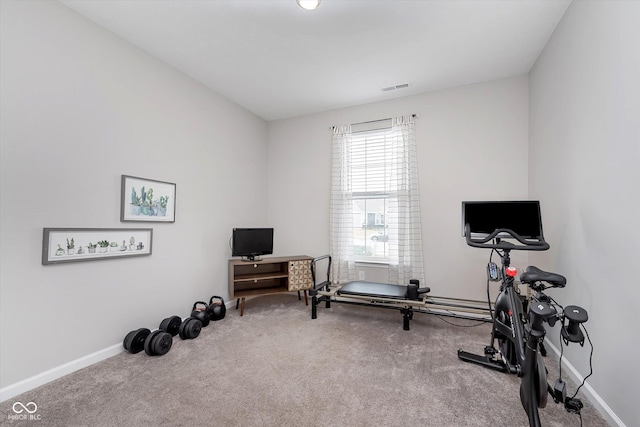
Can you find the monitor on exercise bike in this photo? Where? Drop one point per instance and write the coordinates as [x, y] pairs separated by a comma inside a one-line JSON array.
[[483, 218]]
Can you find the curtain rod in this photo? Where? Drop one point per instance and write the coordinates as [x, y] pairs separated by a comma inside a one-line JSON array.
[[378, 120]]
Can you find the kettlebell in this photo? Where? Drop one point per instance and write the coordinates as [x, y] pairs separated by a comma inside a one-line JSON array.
[[201, 314], [216, 309]]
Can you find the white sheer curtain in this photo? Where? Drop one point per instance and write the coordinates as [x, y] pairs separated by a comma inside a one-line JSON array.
[[405, 231], [341, 209], [403, 215]]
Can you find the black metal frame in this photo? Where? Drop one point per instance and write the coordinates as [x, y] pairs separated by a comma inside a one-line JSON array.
[[521, 335], [525, 341], [322, 292]]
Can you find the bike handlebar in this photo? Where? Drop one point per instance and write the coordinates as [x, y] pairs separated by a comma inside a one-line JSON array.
[[488, 241]]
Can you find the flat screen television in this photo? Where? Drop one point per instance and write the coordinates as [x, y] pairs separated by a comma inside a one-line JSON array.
[[250, 243], [522, 217]]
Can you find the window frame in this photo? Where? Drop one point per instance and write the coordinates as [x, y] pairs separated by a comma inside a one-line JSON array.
[[361, 137]]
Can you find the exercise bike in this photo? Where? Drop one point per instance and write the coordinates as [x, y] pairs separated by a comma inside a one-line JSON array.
[[518, 323]]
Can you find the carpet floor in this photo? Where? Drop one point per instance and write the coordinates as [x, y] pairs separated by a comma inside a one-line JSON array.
[[274, 366]]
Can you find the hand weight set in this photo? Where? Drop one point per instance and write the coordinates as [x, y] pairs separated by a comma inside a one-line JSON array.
[[201, 313], [154, 343], [171, 325], [190, 328], [216, 309], [158, 343], [134, 341]]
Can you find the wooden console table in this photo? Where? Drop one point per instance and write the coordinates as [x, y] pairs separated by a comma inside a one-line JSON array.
[[269, 276]]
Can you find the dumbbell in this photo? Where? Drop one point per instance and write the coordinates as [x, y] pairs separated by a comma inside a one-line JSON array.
[[134, 340], [216, 309], [190, 328], [171, 325], [158, 343], [154, 343], [201, 313]]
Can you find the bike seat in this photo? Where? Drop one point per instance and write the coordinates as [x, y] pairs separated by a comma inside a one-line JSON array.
[[534, 274]]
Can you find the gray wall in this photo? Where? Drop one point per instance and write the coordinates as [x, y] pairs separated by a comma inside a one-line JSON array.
[[472, 145], [80, 107], [584, 165]]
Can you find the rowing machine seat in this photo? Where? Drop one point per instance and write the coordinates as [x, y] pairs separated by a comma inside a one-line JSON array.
[[384, 290]]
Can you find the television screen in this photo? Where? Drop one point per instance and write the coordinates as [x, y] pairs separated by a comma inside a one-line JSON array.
[[252, 242], [522, 217]]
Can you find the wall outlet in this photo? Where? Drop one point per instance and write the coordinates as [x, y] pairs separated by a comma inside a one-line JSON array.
[[360, 275]]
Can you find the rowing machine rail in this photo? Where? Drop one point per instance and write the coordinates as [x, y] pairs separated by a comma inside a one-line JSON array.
[[442, 306]]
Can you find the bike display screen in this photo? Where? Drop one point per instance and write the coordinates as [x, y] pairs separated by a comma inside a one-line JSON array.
[[522, 217]]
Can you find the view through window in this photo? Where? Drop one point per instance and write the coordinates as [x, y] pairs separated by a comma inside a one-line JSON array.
[[371, 172]]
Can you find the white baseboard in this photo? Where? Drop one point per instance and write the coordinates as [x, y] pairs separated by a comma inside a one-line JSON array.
[[591, 394], [23, 386], [43, 378]]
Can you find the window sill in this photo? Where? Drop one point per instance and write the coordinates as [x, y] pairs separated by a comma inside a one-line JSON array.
[[372, 263]]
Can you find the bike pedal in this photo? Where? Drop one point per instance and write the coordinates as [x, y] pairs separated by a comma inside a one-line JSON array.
[[490, 351]]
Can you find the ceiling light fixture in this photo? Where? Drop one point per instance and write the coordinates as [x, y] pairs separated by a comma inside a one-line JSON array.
[[308, 4]]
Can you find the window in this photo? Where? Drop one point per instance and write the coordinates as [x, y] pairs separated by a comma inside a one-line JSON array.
[[370, 173], [375, 214]]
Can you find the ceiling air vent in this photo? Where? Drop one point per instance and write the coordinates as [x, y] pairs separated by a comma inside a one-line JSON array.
[[399, 86]]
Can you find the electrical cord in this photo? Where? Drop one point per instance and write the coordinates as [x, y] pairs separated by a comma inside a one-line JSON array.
[[489, 301], [571, 403], [562, 351], [590, 362], [480, 322]]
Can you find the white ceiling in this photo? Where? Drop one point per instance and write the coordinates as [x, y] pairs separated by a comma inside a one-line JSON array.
[[278, 60]]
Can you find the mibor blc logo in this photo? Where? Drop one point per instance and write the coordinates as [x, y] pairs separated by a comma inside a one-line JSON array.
[[24, 411]]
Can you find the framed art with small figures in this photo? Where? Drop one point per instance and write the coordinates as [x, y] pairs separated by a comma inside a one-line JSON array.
[[60, 245]]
